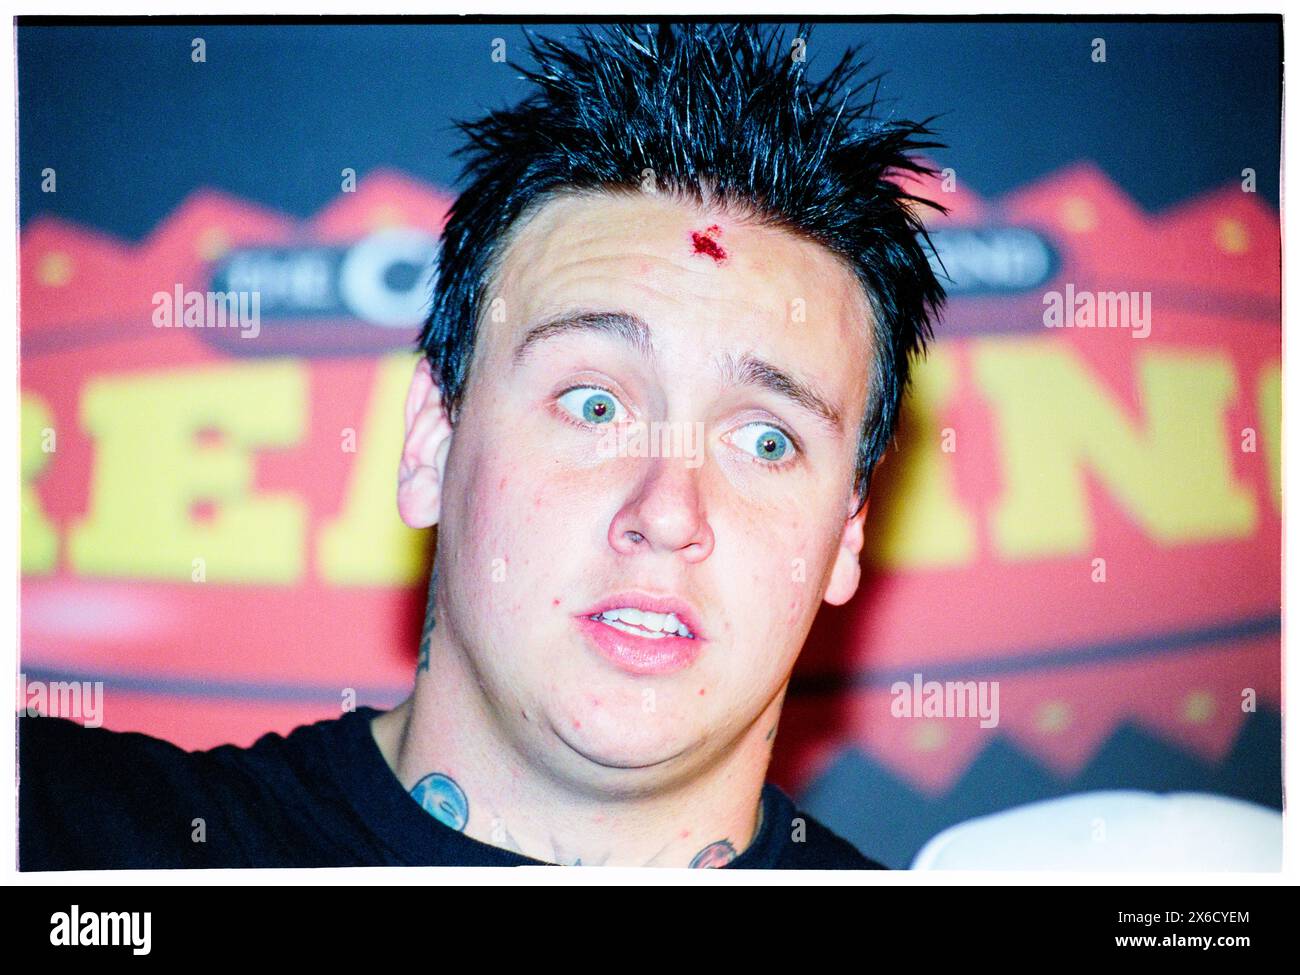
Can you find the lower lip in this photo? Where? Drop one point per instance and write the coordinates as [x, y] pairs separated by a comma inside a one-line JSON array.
[[640, 654]]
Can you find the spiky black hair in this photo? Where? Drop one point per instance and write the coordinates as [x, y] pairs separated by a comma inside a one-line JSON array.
[[712, 111]]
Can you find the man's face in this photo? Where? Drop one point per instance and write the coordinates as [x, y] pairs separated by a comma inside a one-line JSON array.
[[741, 355]]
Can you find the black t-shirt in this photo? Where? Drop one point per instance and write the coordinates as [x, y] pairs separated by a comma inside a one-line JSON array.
[[322, 796]]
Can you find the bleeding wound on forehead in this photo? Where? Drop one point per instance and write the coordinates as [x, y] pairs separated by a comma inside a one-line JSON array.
[[703, 243]]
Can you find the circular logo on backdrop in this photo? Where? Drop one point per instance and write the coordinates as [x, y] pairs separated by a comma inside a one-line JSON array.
[[370, 296]]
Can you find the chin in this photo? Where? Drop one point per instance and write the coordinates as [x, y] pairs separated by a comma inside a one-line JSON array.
[[621, 739]]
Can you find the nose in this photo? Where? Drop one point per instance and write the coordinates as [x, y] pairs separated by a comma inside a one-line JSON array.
[[665, 513]]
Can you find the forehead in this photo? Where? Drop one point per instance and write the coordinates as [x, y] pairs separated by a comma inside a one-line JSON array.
[[696, 276]]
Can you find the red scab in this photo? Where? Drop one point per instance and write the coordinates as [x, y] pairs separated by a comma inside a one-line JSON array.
[[704, 243]]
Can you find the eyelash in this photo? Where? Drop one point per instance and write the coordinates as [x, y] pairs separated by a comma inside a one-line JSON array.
[[575, 421], [768, 466]]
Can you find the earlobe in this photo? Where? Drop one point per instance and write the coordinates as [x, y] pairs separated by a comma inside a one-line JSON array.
[[847, 571], [423, 464]]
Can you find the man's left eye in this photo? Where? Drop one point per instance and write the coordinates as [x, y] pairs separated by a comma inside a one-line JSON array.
[[764, 441], [592, 405]]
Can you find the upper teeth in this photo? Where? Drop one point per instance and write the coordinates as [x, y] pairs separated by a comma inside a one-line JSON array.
[[656, 622]]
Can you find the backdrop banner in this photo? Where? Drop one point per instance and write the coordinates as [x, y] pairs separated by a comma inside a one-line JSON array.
[[1076, 537]]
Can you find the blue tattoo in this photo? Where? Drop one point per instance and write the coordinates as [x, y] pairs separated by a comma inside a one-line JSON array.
[[442, 799]]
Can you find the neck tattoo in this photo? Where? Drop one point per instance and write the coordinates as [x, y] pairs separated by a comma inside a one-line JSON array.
[[429, 623], [443, 799]]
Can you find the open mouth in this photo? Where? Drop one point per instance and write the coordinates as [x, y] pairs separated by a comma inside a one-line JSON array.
[[643, 623], [655, 635]]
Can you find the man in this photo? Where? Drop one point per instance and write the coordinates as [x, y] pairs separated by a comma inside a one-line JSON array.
[[669, 338]]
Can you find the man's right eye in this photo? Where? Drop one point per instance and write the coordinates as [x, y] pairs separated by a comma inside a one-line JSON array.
[[594, 405]]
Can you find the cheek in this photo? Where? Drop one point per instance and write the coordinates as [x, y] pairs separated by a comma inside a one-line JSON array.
[[488, 533], [774, 572], [516, 515], [780, 562]]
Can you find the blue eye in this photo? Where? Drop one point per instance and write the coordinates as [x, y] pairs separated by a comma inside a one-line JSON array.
[[764, 441], [592, 405]]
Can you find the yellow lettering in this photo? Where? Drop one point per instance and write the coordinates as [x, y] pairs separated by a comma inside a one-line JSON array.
[[369, 544], [1270, 420], [151, 470], [920, 522], [1174, 477], [40, 539]]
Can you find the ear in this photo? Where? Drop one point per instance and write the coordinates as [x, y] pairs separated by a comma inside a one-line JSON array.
[[847, 570], [420, 475]]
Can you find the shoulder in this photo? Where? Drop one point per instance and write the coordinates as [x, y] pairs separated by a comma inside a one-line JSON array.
[[91, 798], [808, 844], [49, 749], [827, 850]]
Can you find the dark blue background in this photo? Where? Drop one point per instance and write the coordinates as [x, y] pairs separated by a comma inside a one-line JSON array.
[[132, 125]]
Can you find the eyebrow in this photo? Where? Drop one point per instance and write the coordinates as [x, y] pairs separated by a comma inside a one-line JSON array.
[[749, 370], [622, 325], [745, 370]]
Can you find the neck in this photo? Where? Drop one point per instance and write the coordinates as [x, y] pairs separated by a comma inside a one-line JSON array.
[[449, 748]]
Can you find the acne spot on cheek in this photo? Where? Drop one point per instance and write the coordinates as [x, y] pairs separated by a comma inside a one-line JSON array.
[[702, 242], [555, 602], [701, 692], [577, 723]]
